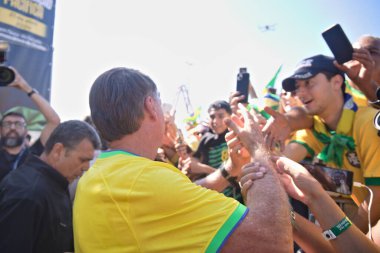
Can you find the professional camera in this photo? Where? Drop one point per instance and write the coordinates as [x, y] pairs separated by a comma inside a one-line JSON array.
[[7, 75]]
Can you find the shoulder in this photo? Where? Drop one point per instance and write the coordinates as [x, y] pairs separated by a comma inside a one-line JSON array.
[[365, 114], [26, 183]]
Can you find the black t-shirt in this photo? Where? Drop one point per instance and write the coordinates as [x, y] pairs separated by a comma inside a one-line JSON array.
[[35, 210], [9, 162], [212, 149]]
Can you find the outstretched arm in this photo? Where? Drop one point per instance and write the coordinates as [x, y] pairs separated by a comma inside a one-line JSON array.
[[301, 185], [266, 200]]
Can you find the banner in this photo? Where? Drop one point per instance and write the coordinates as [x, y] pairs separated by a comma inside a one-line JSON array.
[[27, 25]]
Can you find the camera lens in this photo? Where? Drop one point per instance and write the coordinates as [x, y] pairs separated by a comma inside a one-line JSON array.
[[7, 76], [376, 121]]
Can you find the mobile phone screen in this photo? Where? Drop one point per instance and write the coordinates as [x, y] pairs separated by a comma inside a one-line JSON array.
[[338, 43], [242, 84], [333, 180]]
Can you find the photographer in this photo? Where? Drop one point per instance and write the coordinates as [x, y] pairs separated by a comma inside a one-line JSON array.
[[13, 129]]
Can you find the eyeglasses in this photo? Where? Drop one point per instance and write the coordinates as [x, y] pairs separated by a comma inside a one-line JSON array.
[[17, 124]]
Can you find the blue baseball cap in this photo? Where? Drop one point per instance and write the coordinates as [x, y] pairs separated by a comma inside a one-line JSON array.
[[310, 67]]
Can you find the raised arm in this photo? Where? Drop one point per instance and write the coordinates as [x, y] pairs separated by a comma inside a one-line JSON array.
[[52, 118]]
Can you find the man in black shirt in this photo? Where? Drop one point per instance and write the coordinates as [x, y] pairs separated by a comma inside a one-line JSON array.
[[13, 130], [212, 150], [35, 208]]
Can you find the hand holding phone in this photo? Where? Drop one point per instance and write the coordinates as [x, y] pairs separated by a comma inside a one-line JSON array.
[[242, 84], [333, 180], [338, 43]]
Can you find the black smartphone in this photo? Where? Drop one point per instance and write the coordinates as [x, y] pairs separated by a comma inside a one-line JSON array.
[[338, 43], [332, 180], [242, 84]]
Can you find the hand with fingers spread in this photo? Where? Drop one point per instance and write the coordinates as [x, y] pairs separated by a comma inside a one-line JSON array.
[[247, 131]]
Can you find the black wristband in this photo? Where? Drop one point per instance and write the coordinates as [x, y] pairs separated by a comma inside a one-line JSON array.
[[32, 92], [226, 175]]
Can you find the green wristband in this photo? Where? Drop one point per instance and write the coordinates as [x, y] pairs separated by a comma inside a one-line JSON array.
[[336, 230]]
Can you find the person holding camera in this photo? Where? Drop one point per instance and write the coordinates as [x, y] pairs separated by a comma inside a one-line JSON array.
[[13, 129]]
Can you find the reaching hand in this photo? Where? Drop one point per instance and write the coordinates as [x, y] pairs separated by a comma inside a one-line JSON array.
[[234, 100], [297, 181], [276, 130], [248, 132], [238, 154], [250, 173]]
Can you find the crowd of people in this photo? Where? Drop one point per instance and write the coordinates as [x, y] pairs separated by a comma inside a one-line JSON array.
[[126, 179]]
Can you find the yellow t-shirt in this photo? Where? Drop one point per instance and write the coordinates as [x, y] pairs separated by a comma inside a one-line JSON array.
[[365, 164], [127, 203], [359, 98]]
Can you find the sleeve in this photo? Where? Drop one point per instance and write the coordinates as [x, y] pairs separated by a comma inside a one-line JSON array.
[[18, 219], [192, 218], [37, 148], [201, 148], [306, 138], [367, 141]]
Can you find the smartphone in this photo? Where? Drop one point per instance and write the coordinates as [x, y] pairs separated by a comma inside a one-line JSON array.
[[242, 84], [338, 43], [332, 180]]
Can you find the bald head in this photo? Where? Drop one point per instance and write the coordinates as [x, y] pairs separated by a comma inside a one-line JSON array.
[[372, 44]]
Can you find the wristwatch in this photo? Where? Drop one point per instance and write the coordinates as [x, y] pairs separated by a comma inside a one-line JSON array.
[[33, 91], [226, 175]]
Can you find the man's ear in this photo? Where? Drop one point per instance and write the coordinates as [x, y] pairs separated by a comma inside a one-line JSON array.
[[150, 106], [337, 81], [57, 151]]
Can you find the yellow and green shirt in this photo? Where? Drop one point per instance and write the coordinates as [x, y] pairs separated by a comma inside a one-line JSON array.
[[127, 203], [364, 162]]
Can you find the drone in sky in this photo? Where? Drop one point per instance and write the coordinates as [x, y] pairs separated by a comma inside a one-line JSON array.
[[267, 28]]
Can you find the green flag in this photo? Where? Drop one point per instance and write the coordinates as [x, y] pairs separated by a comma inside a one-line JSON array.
[[272, 82]]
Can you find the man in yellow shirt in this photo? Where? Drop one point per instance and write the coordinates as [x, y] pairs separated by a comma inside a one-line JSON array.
[[127, 202], [342, 136]]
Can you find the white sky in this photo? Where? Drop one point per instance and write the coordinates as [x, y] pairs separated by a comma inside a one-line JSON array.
[[161, 38]]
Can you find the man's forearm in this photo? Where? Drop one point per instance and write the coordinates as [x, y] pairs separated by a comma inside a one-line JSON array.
[[328, 215], [214, 181], [270, 214], [45, 108]]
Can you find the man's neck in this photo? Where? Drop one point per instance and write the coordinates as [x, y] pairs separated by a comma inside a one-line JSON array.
[[136, 143], [333, 113]]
